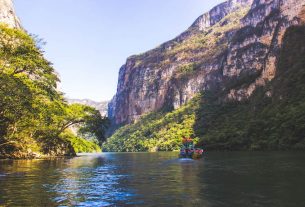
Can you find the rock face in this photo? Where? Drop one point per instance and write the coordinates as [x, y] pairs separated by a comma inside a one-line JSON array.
[[8, 15], [237, 41]]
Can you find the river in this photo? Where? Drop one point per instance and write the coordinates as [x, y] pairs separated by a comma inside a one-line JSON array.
[[156, 179]]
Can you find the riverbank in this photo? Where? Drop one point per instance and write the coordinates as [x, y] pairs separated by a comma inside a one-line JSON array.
[[63, 151], [33, 155]]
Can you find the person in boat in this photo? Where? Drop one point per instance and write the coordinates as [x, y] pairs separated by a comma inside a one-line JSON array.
[[184, 148], [188, 149], [187, 145], [184, 141]]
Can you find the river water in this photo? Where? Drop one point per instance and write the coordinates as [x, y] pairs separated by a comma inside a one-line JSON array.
[[156, 179]]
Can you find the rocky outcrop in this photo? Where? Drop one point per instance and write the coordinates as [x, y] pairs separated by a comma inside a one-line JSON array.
[[233, 48], [218, 13], [257, 44], [8, 15]]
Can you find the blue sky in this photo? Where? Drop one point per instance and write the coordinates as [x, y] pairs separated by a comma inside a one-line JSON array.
[[89, 40]]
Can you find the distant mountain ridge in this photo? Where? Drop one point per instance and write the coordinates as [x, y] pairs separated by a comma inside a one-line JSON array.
[[101, 106]]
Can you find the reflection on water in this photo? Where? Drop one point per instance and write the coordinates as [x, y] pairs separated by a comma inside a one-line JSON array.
[[156, 179], [89, 181]]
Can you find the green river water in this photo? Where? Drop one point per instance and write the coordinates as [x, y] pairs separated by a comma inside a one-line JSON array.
[[156, 179]]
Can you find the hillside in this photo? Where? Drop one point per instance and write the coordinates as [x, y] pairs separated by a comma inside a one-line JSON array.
[[234, 62]]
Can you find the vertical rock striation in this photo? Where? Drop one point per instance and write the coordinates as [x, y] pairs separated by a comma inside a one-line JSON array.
[[8, 15], [232, 48]]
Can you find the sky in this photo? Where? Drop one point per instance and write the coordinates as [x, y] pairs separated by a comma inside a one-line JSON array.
[[89, 40]]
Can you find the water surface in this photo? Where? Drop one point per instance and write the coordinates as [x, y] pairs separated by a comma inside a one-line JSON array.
[[156, 179]]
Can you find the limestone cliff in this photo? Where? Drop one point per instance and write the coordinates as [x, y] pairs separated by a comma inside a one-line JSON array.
[[8, 15], [237, 41]]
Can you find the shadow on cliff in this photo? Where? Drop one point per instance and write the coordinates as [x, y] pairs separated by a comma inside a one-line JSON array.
[[273, 118]]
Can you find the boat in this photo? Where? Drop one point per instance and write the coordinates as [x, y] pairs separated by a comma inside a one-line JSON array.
[[189, 151]]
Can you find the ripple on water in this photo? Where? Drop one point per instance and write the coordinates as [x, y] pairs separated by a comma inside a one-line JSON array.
[[87, 186], [157, 179]]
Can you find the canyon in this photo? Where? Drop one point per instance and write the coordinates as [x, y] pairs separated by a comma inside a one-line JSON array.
[[235, 41]]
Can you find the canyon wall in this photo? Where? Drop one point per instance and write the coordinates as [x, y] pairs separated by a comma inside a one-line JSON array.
[[8, 15], [238, 40]]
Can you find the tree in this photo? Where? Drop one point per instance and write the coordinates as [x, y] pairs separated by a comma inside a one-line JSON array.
[[34, 117]]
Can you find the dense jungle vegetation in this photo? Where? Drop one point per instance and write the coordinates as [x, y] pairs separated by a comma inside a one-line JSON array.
[[34, 117]]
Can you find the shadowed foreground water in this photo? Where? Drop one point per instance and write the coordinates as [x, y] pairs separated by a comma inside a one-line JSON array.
[[156, 179]]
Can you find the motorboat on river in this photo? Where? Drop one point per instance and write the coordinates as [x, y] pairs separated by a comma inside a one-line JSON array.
[[188, 150]]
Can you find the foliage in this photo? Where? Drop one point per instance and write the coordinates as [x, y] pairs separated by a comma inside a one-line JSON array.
[[187, 68], [263, 122], [33, 113], [94, 126], [80, 145], [158, 131], [273, 118]]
